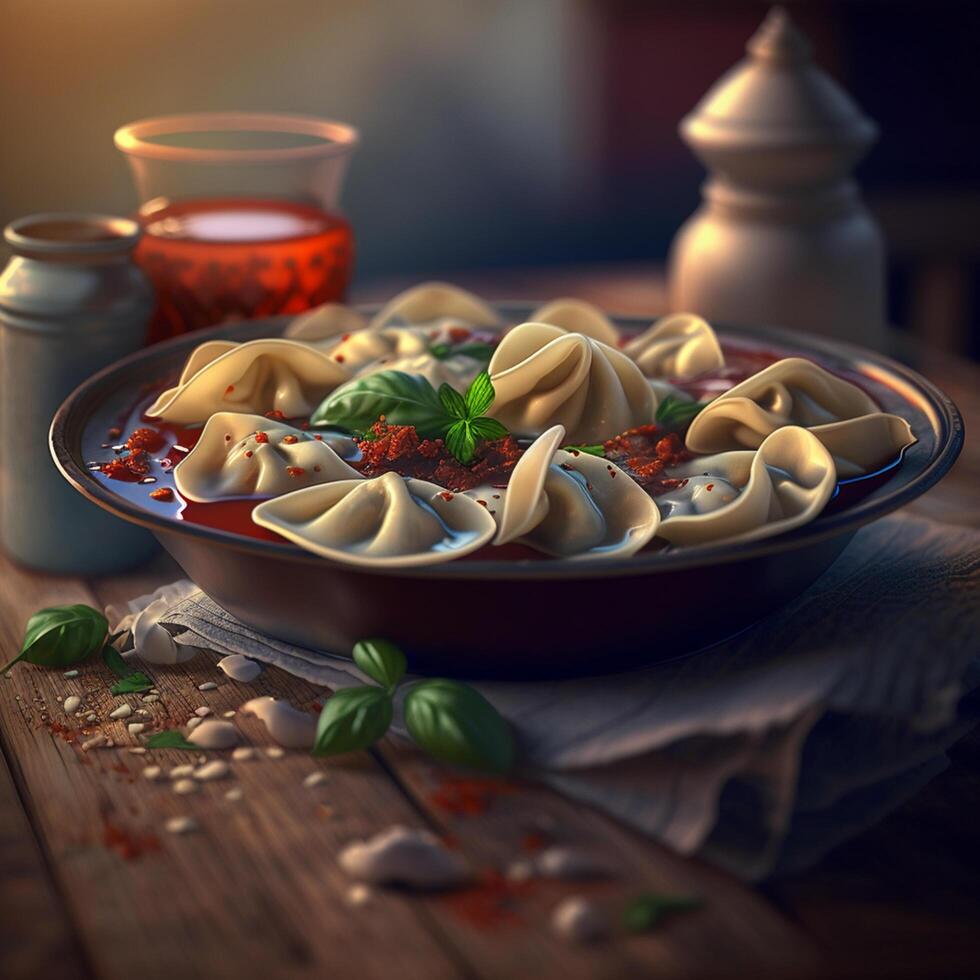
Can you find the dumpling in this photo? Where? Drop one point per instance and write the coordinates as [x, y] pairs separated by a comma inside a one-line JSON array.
[[544, 376], [325, 322], [745, 495], [246, 455], [432, 301], [256, 377], [796, 391], [681, 345], [577, 316], [572, 505], [387, 521]]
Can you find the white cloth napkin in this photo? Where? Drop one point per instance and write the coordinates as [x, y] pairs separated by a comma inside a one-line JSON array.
[[765, 751]]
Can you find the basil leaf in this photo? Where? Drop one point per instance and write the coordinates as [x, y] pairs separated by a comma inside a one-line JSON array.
[[475, 349], [135, 683], [460, 441], [675, 411], [597, 450], [403, 399], [647, 911], [172, 739], [354, 718], [113, 659], [452, 401], [62, 635], [454, 723], [441, 351], [489, 429], [479, 396], [381, 661]]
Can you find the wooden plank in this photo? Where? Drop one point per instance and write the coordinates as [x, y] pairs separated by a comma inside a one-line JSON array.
[[256, 891], [736, 933], [36, 935]]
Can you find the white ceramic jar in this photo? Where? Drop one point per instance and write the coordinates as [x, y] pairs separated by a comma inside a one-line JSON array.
[[71, 302], [782, 238]]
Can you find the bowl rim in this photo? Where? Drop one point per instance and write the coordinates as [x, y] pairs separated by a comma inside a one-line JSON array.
[[944, 416]]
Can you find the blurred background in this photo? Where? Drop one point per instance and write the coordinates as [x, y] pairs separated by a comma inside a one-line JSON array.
[[506, 135]]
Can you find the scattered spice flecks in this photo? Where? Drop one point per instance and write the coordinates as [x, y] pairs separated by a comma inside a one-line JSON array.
[[163, 493], [468, 796], [127, 844], [493, 901]]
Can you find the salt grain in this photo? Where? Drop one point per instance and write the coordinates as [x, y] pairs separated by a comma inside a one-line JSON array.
[[207, 686], [92, 717], [135, 728], [70, 673], [138, 750], [234, 794], [358, 895], [315, 779], [152, 772], [274, 752], [228, 714], [181, 825], [93, 742], [520, 871], [185, 786], [243, 753], [578, 920], [192, 723], [217, 769], [180, 772], [72, 704], [150, 698], [202, 712]]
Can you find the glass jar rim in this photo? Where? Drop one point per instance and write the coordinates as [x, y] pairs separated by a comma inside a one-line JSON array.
[[135, 139], [72, 233]]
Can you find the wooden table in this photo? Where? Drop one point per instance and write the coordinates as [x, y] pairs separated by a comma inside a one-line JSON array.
[[92, 886]]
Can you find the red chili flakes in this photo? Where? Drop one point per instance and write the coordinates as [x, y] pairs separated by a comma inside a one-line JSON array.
[[344, 338], [229, 390], [248, 454], [316, 469], [645, 454], [339, 358], [446, 495], [227, 437], [128, 845], [130, 469], [276, 415], [710, 487], [458, 334], [491, 902], [290, 440], [400, 449], [148, 440], [261, 437], [318, 438], [295, 471], [482, 503], [164, 493], [468, 796]]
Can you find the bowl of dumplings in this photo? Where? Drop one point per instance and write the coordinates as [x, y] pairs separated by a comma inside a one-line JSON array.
[[505, 489]]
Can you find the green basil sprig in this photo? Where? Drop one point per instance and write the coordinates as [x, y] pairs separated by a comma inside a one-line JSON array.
[[455, 723], [172, 739], [409, 399], [674, 411], [449, 720], [646, 912], [133, 682], [61, 636]]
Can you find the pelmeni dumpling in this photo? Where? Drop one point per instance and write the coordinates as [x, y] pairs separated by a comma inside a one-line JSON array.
[[325, 322], [795, 391], [681, 345], [247, 455], [432, 301], [387, 521], [544, 376], [256, 377], [577, 316], [571, 505], [744, 495]]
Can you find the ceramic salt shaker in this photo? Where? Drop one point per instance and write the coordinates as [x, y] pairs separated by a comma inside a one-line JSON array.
[[782, 237], [71, 302]]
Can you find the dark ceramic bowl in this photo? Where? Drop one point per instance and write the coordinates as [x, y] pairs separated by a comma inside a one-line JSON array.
[[515, 618]]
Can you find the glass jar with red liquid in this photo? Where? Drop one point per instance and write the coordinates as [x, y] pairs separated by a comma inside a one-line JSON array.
[[240, 215]]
